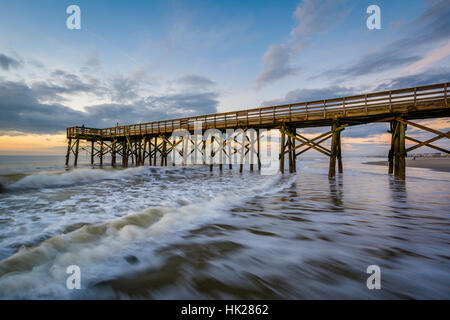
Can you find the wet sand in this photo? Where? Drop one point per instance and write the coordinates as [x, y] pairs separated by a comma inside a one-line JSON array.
[[436, 164]]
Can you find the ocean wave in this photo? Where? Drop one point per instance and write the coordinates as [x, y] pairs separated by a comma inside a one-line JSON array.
[[40, 272], [73, 177]]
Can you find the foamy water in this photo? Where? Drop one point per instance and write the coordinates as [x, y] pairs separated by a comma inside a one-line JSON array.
[[183, 232]]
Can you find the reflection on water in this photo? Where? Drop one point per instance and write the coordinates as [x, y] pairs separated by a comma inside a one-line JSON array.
[[229, 235]]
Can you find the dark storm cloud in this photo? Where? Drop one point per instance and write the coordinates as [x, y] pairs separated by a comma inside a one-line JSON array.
[[62, 82], [430, 28], [152, 109], [22, 111], [7, 63]]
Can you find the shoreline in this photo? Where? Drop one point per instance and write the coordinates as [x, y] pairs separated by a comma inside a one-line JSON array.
[[435, 164]]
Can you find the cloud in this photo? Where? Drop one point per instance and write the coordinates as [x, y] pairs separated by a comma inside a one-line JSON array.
[[312, 17], [7, 63], [195, 81], [23, 112], [315, 17], [433, 56], [62, 82], [425, 78], [92, 64], [152, 108], [304, 95], [431, 28], [277, 65], [36, 63], [124, 89]]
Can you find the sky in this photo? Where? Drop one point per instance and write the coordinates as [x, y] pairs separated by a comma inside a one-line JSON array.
[[140, 61]]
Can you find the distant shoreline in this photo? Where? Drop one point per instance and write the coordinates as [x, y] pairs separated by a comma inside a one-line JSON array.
[[435, 164]]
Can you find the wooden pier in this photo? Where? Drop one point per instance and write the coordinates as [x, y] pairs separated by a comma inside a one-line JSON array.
[[238, 132]]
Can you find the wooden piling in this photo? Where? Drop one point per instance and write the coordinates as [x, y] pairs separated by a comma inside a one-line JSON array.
[[241, 164], [151, 150], [393, 130], [124, 154], [258, 149], [92, 151], [155, 151], [77, 144], [212, 154], [69, 149], [113, 153], [101, 152], [294, 155], [401, 150], [396, 150], [332, 169], [221, 152], [282, 148], [163, 153], [339, 152], [251, 149], [230, 151], [289, 143]]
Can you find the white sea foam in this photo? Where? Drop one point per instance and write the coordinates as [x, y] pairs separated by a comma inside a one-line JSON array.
[[73, 177], [40, 272]]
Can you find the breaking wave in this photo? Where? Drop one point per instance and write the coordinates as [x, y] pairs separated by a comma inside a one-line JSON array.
[[40, 272], [73, 177]]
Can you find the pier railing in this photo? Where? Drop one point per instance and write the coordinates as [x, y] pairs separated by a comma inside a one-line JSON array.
[[349, 106]]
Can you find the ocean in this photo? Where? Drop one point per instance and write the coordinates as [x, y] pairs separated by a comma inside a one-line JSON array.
[[186, 233]]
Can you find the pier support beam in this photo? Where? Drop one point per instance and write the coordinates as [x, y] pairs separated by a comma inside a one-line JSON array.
[[92, 152], [211, 163], [113, 153], [69, 148], [339, 153], [292, 155], [282, 149], [77, 145], [393, 131], [334, 142], [334, 153], [335, 150], [155, 150], [258, 149], [164, 153], [124, 153], [398, 152], [101, 152], [402, 154]]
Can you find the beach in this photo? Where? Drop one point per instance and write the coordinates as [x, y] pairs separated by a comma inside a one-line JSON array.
[[433, 163]]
